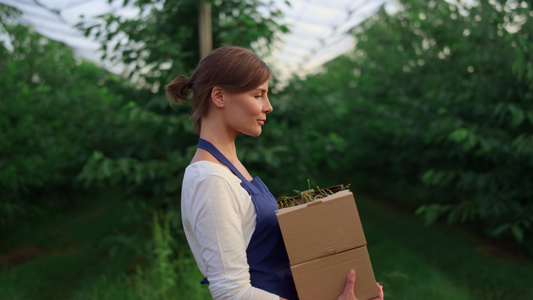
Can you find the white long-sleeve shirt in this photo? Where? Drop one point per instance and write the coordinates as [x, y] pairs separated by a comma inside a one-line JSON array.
[[219, 218]]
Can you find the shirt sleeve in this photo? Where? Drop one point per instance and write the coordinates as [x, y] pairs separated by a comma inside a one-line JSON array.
[[218, 229]]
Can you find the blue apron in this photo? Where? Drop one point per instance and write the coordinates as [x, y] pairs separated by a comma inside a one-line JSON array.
[[266, 253]]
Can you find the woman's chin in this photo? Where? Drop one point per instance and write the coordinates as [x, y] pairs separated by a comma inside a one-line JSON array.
[[255, 133]]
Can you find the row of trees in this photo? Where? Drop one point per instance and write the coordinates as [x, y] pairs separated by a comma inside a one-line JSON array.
[[435, 106], [432, 109], [53, 109]]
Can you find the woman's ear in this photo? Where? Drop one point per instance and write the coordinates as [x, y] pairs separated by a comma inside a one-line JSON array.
[[217, 96]]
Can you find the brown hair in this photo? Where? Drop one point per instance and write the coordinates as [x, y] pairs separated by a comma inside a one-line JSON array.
[[233, 68]]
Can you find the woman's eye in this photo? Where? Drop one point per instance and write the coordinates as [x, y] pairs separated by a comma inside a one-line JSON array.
[[257, 96]]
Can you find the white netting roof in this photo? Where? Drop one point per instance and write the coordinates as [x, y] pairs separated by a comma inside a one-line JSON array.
[[318, 27]]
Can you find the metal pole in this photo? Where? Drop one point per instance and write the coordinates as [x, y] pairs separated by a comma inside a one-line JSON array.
[[206, 40]]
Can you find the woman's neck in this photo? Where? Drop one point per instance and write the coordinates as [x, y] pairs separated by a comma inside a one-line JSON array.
[[221, 139], [224, 141]]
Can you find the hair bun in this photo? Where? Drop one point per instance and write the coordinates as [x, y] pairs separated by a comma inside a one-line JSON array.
[[178, 89], [189, 81]]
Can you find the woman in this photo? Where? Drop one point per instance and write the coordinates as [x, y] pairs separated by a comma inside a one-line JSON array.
[[229, 217]]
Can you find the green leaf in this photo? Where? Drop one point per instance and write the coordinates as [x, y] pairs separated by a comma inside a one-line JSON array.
[[517, 115], [459, 135], [530, 117], [518, 233], [500, 229], [106, 168], [431, 212], [97, 155]]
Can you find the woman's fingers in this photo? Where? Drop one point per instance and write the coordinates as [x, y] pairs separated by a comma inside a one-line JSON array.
[[348, 288], [380, 290]]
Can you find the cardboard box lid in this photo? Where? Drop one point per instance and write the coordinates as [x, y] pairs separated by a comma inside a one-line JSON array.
[[325, 278], [321, 228]]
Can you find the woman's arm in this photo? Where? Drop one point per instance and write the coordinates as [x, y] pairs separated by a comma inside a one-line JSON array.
[[218, 217]]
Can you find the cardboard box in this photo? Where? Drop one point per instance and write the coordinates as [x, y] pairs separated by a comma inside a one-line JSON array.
[[325, 278], [324, 240]]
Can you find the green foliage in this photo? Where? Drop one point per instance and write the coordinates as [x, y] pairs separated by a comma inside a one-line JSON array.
[[50, 106], [142, 154], [438, 262], [163, 39], [171, 272], [64, 251], [436, 102]]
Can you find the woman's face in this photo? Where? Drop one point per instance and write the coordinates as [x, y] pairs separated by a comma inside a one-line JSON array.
[[246, 112]]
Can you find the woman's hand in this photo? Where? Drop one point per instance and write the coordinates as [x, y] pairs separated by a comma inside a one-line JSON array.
[[348, 289]]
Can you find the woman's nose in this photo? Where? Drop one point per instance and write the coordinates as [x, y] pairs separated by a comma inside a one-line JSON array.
[[267, 108]]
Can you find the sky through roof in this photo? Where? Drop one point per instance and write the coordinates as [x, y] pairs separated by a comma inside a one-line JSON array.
[[319, 27]]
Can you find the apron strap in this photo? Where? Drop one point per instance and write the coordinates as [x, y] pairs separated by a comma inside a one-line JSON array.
[[207, 146]]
